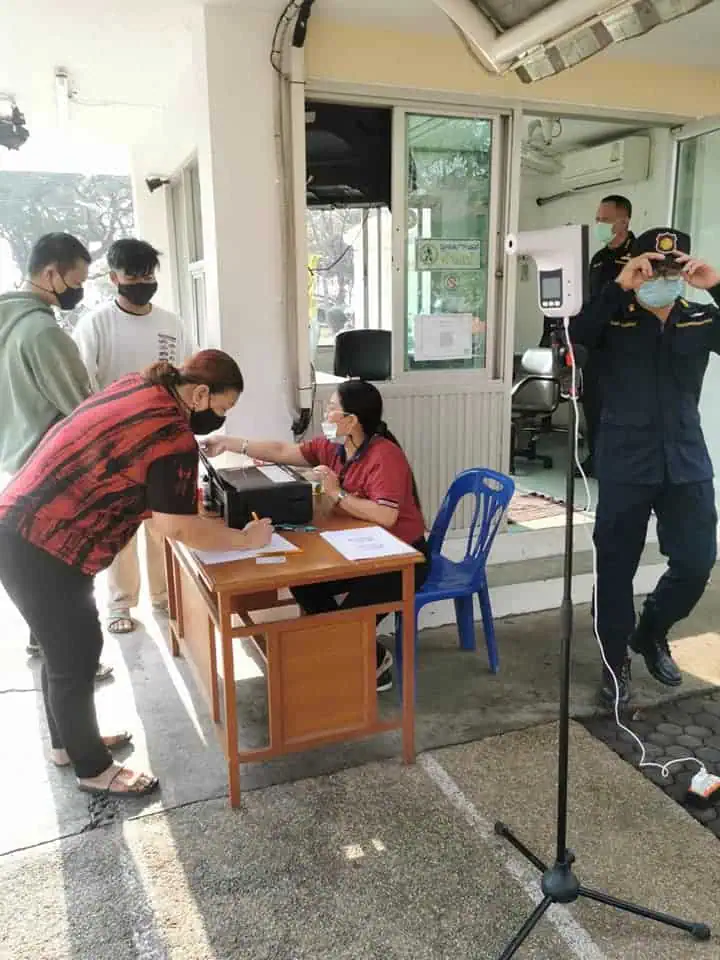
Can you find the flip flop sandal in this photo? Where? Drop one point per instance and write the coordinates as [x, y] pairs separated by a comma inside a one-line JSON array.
[[121, 623], [131, 789], [116, 742]]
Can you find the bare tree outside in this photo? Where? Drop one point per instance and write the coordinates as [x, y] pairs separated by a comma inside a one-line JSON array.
[[97, 209]]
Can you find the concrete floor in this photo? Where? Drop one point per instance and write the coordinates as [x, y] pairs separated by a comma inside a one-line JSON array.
[[368, 859]]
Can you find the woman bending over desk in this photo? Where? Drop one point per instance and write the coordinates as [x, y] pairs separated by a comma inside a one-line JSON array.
[[367, 475], [126, 455]]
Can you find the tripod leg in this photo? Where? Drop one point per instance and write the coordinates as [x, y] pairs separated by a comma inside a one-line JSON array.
[[699, 930], [502, 830], [526, 929]]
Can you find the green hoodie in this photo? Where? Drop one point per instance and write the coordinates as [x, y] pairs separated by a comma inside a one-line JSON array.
[[42, 378]]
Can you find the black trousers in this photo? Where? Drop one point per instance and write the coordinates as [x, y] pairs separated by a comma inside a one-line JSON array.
[[686, 525], [361, 592], [58, 605], [591, 401]]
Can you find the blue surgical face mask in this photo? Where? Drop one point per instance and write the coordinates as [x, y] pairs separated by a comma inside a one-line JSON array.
[[660, 291]]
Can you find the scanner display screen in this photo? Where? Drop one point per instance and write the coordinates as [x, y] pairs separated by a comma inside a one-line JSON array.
[[551, 289]]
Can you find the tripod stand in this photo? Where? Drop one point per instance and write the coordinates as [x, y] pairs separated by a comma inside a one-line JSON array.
[[559, 884]]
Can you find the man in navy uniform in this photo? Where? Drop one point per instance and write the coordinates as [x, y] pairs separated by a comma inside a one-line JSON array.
[[652, 347], [612, 231]]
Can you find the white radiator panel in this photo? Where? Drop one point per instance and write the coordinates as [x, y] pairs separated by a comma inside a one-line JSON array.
[[443, 433]]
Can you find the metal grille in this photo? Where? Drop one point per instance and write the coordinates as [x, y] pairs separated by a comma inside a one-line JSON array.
[[442, 434]]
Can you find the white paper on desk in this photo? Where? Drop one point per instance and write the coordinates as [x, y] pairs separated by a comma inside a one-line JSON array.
[[276, 474], [366, 543], [278, 544]]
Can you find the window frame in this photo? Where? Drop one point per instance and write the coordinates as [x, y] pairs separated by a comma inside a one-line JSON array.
[[185, 217], [370, 294], [491, 371]]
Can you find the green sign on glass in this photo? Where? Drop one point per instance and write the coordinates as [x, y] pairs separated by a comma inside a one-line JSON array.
[[448, 254]]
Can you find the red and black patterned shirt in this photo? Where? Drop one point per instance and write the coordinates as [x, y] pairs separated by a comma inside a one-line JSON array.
[[122, 454]]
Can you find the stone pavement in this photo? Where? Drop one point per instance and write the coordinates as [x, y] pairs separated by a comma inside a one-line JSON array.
[[688, 727], [379, 862], [345, 854]]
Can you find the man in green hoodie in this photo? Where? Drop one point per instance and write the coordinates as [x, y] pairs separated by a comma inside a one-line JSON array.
[[42, 377]]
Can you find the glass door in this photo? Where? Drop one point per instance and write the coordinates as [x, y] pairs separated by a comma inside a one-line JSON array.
[[696, 210], [451, 194]]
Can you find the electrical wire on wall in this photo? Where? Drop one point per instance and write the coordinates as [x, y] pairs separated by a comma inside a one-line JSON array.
[[281, 125], [292, 8]]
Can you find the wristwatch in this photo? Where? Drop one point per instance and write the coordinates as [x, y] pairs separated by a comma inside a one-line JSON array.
[[340, 497]]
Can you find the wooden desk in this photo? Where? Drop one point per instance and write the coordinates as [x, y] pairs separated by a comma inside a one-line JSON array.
[[320, 670]]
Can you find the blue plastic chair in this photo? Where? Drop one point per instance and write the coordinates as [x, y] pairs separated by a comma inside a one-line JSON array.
[[450, 580]]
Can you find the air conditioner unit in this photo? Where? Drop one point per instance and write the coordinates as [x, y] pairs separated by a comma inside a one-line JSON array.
[[534, 160], [626, 160]]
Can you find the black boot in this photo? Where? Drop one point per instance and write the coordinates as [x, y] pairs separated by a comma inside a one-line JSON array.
[[607, 687], [655, 649]]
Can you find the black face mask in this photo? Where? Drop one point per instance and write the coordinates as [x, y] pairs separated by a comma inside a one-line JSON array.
[[70, 297], [207, 421], [139, 294]]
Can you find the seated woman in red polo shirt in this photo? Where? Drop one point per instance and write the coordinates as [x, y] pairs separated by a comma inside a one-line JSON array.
[[366, 473]]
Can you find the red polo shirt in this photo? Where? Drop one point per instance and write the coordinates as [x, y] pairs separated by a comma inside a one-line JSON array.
[[382, 474]]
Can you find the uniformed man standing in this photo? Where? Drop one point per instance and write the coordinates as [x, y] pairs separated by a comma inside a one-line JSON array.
[[612, 230], [653, 348]]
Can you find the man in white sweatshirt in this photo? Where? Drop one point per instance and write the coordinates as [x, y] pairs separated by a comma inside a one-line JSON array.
[[125, 336]]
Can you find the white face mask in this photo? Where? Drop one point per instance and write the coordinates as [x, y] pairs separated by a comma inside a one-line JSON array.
[[329, 430]]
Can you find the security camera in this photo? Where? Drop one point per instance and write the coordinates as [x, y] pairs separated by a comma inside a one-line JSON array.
[[154, 183], [13, 132], [561, 256]]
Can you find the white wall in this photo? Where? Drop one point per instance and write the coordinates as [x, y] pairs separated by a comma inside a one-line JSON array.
[[249, 294], [702, 219], [223, 113], [164, 147], [650, 201]]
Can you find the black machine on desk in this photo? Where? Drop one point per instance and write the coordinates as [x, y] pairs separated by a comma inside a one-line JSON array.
[[280, 494]]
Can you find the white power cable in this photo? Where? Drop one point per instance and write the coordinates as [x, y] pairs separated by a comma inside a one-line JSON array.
[[664, 768]]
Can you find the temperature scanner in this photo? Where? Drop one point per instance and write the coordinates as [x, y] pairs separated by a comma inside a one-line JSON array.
[[561, 257]]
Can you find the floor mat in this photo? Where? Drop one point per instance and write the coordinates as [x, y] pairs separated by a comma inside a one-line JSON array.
[[527, 507], [685, 728]]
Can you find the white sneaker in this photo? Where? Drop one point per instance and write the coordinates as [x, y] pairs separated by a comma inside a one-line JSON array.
[[384, 673]]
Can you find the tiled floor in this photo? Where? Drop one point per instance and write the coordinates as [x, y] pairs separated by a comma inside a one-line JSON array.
[[673, 731]]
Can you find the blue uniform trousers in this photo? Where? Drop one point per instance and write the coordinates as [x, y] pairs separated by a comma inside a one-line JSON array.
[[686, 524]]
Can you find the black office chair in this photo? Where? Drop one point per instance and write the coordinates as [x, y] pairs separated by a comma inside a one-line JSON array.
[[366, 354], [535, 397]]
